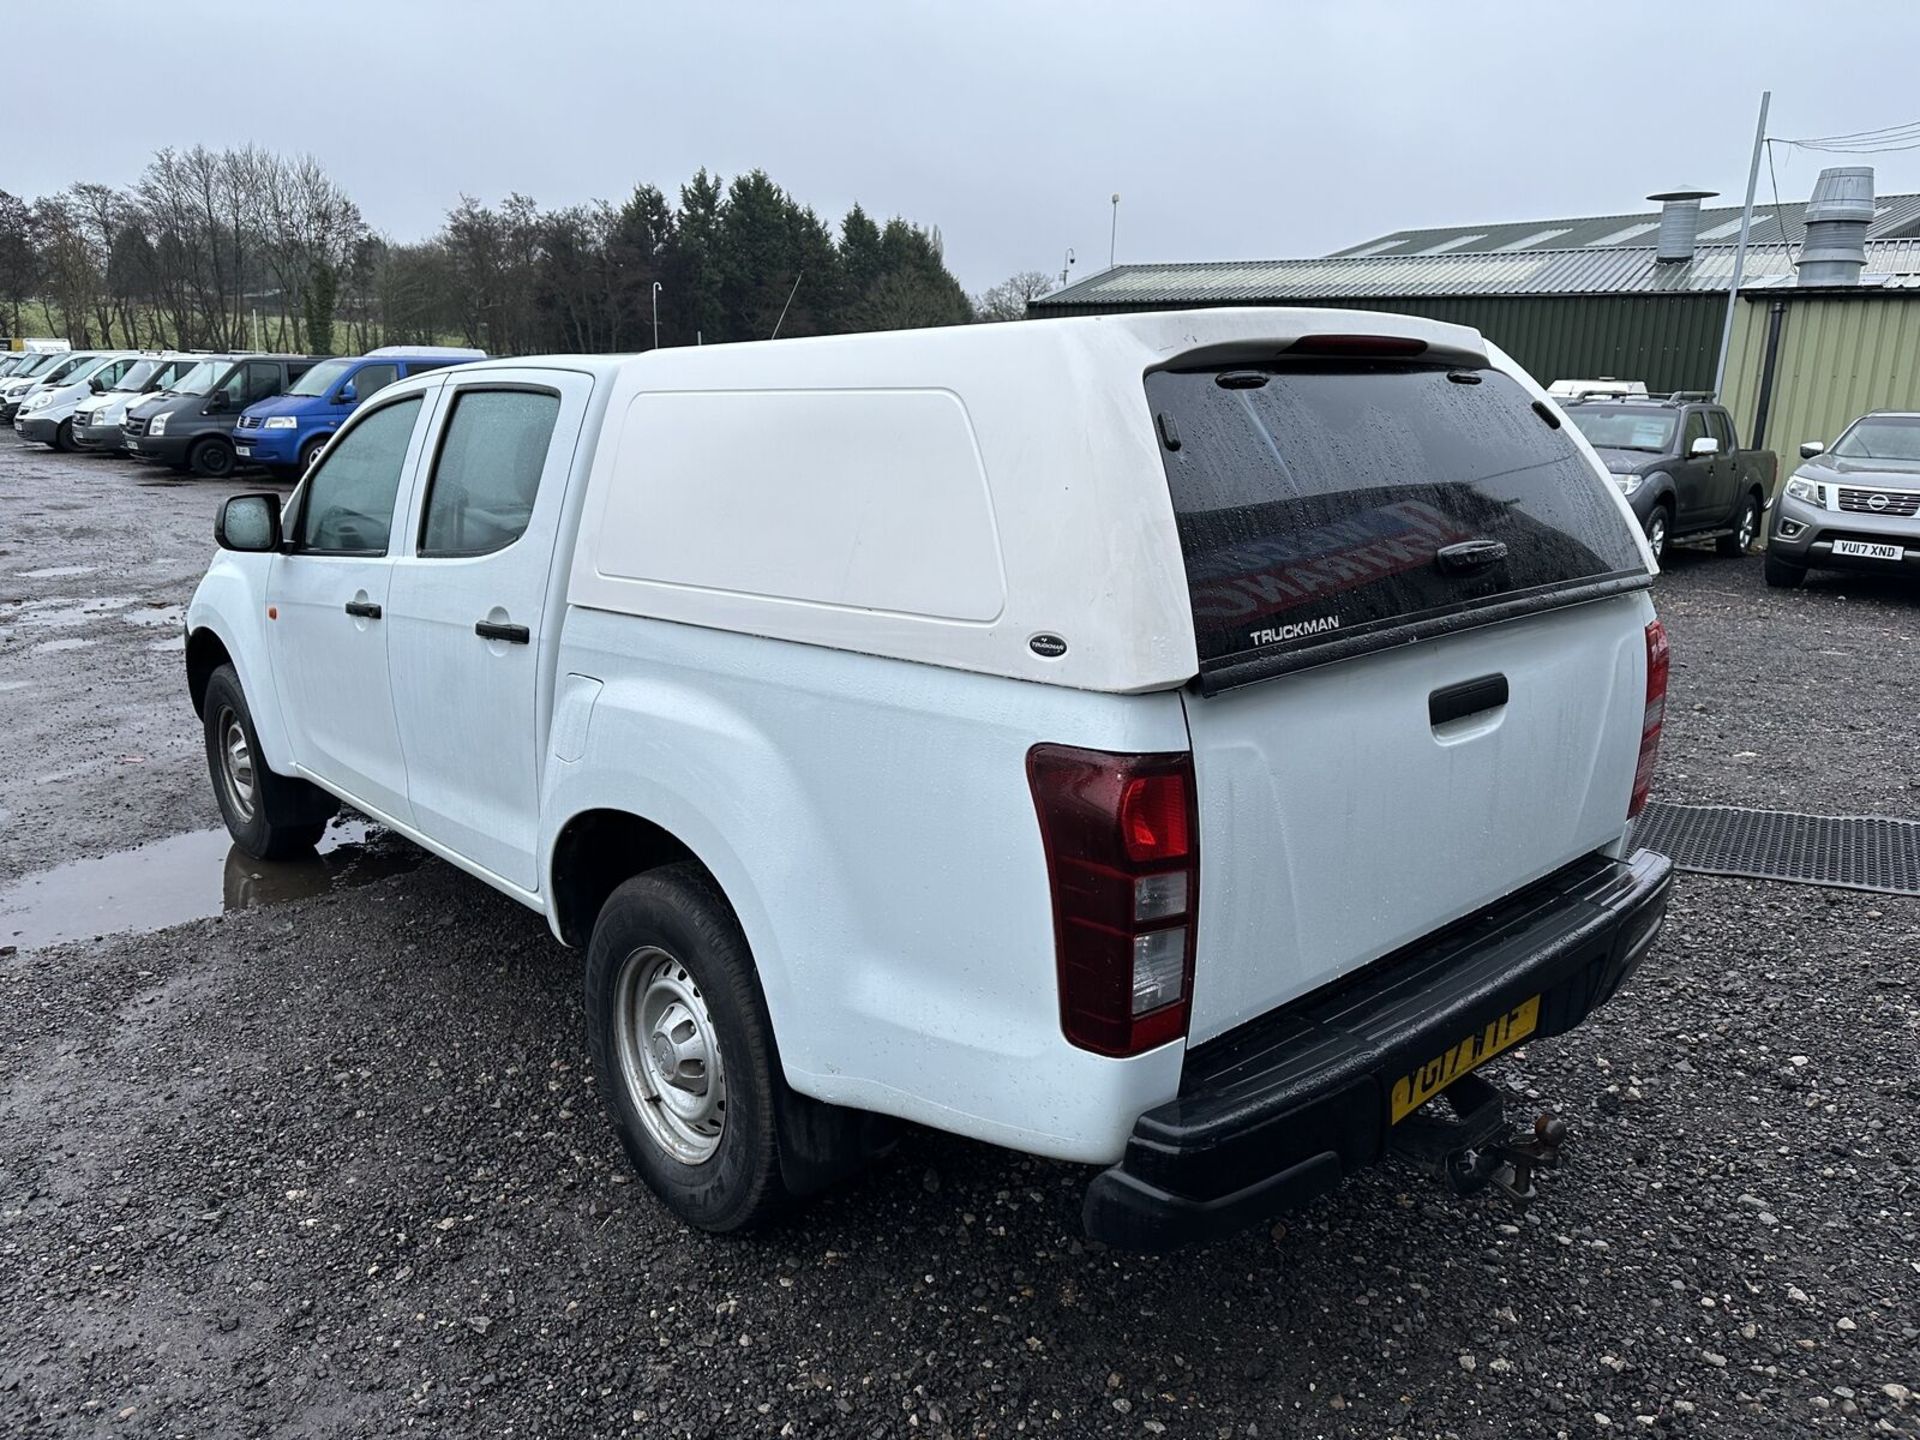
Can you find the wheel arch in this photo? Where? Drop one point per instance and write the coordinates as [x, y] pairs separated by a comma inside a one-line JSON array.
[[594, 853], [206, 653]]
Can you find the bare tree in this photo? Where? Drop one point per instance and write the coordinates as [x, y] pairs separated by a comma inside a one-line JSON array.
[[1009, 299]]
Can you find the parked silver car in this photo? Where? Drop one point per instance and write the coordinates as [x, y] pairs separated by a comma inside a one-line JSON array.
[[1852, 506]]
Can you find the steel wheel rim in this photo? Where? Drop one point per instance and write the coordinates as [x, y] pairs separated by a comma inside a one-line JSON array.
[[670, 1058], [236, 764]]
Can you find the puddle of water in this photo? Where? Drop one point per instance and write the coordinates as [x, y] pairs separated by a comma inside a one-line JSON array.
[[58, 614], [56, 572], [6, 685], [48, 647], [188, 877], [155, 616], [178, 642]]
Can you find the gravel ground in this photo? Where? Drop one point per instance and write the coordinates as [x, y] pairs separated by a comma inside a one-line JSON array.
[[336, 1167]]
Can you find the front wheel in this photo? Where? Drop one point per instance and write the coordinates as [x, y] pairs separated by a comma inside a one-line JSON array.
[[1657, 524], [683, 1050], [1744, 529], [270, 816], [1782, 575], [211, 459], [63, 438]]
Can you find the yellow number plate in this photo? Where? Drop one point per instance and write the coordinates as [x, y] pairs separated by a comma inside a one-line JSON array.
[[1410, 1092]]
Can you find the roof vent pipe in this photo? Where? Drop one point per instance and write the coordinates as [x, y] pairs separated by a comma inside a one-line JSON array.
[[1834, 251], [1679, 222]]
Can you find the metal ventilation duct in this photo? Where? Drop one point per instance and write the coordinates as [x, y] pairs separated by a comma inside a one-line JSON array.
[[1679, 222], [1834, 251]]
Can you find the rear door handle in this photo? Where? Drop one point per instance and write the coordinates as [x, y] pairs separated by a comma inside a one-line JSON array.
[[1469, 697], [1469, 555], [365, 609], [512, 634]]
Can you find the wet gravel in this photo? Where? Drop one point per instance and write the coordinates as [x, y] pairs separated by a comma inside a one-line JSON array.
[[337, 1167]]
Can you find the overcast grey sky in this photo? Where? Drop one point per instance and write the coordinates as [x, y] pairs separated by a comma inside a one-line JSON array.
[[1231, 130]]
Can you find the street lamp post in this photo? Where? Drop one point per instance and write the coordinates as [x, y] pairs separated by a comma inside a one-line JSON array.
[[1113, 231], [656, 314]]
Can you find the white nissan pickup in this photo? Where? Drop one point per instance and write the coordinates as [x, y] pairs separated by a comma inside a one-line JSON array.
[[1185, 744]]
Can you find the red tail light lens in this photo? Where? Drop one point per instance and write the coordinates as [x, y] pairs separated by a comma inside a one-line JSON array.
[[1119, 833], [1658, 656], [1384, 347]]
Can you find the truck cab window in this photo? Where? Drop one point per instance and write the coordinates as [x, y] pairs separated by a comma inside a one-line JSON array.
[[347, 505], [1696, 429], [488, 473]]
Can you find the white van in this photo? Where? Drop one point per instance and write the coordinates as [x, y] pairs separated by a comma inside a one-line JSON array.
[[1180, 743], [47, 413]]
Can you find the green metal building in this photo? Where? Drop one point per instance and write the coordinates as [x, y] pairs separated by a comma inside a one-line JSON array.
[[1612, 307]]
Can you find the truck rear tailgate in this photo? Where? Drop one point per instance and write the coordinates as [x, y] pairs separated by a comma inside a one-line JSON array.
[[1338, 822], [1419, 614]]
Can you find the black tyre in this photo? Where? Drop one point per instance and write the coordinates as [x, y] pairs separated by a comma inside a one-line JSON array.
[[1745, 528], [683, 1051], [270, 816], [63, 437], [1782, 575], [211, 459], [307, 451], [1659, 523]]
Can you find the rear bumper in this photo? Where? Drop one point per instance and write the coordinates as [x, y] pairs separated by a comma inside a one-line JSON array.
[[1281, 1109]]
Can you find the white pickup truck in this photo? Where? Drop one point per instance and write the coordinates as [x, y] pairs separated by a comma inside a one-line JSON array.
[[1185, 744]]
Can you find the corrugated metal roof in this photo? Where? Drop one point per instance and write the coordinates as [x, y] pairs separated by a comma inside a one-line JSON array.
[[1604, 271], [1895, 217]]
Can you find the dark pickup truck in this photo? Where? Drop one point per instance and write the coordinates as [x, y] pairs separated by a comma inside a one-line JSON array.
[[1680, 465]]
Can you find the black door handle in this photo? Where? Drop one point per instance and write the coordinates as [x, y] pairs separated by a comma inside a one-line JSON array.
[[1469, 697], [512, 634], [1468, 556], [365, 609]]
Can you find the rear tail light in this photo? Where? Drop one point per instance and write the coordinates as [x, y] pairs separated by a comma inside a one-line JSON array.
[[1123, 864], [1656, 714]]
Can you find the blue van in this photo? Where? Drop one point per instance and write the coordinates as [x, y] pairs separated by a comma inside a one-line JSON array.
[[285, 433]]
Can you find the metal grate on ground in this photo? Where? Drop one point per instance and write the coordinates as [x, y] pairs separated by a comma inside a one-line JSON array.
[[1848, 852]]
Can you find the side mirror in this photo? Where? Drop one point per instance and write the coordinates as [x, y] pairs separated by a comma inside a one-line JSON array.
[[97, 385], [248, 523], [216, 402], [349, 394], [1705, 445], [1811, 448]]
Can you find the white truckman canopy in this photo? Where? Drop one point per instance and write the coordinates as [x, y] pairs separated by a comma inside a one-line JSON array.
[[964, 497]]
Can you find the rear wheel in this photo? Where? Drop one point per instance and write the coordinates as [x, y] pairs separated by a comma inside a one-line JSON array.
[[211, 459], [270, 816], [1782, 575], [1658, 523], [1744, 529], [683, 1050]]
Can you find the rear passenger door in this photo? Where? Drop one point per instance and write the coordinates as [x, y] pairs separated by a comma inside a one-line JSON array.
[[1726, 471], [472, 607]]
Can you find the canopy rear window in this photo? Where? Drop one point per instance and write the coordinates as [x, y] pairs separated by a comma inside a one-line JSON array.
[[1327, 509]]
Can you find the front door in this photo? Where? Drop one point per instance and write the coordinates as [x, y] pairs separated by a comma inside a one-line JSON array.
[[471, 646], [1693, 475], [328, 600]]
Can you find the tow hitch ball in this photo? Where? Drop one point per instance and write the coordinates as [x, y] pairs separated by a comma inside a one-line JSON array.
[[1475, 1148]]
